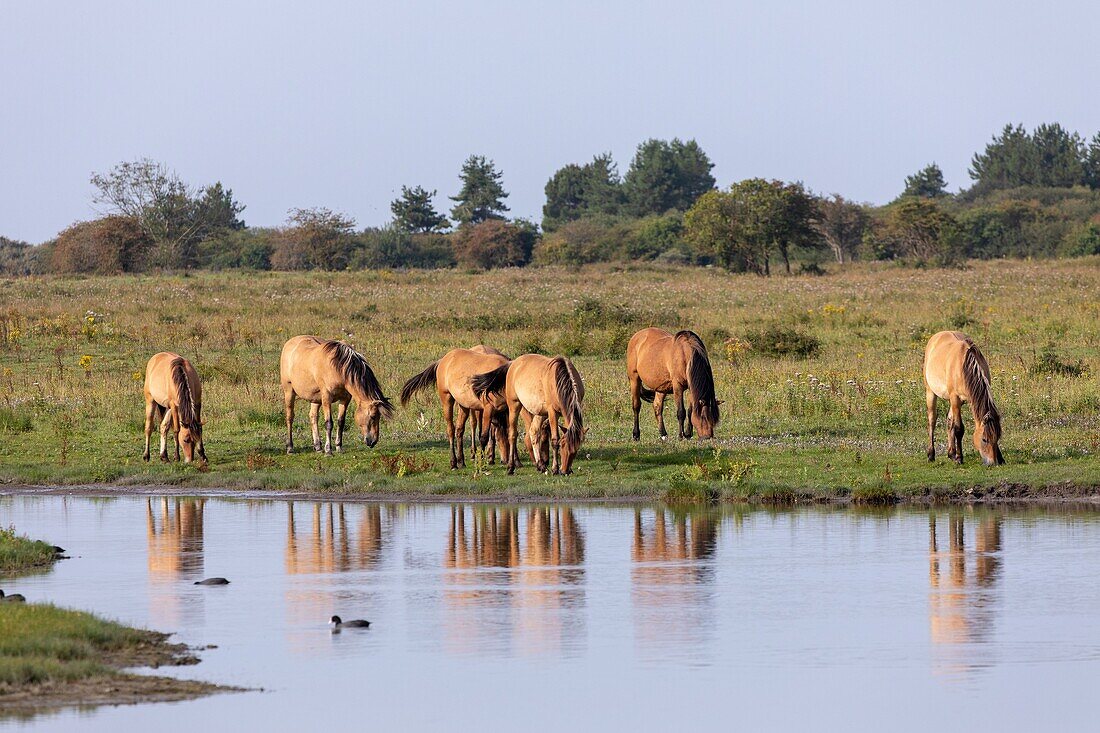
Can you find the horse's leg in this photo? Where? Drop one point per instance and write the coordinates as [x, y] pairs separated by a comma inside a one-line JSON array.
[[930, 401], [448, 420], [689, 429], [636, 403], [476, 417], [555, 447], [341, 415], [150, 410], [659, 413], [314, 412], [164, 424], [460, 435], [288, 408], [326, 407], [176, 433], [513, 418], [681, 413], [956, 429]]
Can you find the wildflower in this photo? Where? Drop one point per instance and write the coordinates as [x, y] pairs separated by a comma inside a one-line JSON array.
[[86, 362]]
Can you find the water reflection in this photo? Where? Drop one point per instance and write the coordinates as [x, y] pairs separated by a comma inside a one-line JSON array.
[[515, 579], [174, 532], [672, 579], [327, 546], [963, 600]]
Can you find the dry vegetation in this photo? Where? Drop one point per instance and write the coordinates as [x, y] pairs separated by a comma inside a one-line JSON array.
[[820, 374]]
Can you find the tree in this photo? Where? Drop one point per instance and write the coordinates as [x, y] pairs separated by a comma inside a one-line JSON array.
[[154, 196], [841, 224], [316, 239], [217, 212], [577, 191], [1092, 163], [666, 176], [745, 227], [482, 194], [414, 213], [927, 182], [495, 243], [919, 229], [1051, 156]]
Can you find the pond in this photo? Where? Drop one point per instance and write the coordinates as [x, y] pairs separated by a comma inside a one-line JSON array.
[[589, 617]]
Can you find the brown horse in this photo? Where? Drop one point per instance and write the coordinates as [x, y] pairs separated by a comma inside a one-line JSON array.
[[450, 375], [659, 363], [324, 372], [173, 396], [539, 388], [956, 370]]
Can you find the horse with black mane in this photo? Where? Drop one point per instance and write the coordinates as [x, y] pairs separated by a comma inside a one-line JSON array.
[[324, 372], [659, 363], [956, 370], [173, 397]]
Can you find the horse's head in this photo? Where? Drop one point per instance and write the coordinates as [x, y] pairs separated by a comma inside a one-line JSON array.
[[987, 437], [190, 437], [704, 416], [569, 444], [369, 415]]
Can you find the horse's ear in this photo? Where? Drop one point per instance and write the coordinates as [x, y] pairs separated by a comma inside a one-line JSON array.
[[585, 431], [721, 402]]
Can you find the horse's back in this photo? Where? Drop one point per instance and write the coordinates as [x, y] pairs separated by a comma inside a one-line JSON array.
[[943, 362], [158, 378], [458, 366], [649, 355], [299, 364]]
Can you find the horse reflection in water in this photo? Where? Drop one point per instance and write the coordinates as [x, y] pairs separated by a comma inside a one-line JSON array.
[[671, 581], [326, 547], [515, 580], [174, 530], [962, 602]]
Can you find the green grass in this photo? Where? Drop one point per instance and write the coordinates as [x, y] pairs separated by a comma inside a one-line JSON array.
[[845, 420], [20, 554]]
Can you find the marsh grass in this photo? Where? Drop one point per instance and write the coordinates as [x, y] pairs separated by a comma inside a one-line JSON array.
[[20, 554], [819, 422]]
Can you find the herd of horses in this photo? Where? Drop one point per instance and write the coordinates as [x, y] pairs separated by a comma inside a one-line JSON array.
[[492, 391]]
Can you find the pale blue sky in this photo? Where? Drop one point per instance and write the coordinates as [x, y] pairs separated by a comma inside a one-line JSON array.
[[338, 104]]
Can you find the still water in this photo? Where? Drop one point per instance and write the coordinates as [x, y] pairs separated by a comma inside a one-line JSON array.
[[589, 617]]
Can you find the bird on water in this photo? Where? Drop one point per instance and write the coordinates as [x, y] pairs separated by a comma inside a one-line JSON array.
[[358, 623]]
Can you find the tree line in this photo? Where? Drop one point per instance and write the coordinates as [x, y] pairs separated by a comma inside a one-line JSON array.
[[1032, 194]]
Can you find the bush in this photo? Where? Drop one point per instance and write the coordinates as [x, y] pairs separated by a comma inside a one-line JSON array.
[[247, 249], [391, 248], [781, 341], [104, 246], [494, 243], [1082, 240], [1050, 362], [316, 239]]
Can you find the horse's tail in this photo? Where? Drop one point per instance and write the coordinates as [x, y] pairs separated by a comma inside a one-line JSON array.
[[977, 385], [700, 377], [569, 392], [420, 382], [646, 394], [188, 413], [491, 382]]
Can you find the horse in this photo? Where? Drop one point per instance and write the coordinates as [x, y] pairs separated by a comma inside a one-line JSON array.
[[324, 372], [173, 396], [539, 388], [659, 363], [956, 370], [450, 375]]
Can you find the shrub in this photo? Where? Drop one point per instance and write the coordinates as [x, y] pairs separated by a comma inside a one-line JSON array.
[[1050, 362], [103, 246], [494, 243], [392, 248], [315, 239], [781, 341], [247, 249]]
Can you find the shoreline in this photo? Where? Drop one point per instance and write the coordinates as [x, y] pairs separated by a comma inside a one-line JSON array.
[[1001, 494]]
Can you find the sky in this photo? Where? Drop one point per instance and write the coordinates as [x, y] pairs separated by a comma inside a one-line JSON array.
[[338, 104]]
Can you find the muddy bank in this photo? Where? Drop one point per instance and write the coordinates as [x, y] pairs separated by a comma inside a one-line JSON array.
[[1003, 493]]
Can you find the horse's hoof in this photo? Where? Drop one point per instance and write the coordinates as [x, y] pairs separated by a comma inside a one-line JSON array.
[[637, 435], [164, 458], [511, 471], [328, 452], [145, 457], [931, 456], [289, 450]]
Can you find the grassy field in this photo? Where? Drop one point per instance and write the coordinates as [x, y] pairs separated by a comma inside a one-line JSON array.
[[20, 554], [846, 421]]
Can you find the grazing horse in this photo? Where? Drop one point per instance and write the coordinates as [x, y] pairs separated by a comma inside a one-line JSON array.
[[956, 370], [539, 388], [659, 363], [173, 396], [450, 375], [324, 372]]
